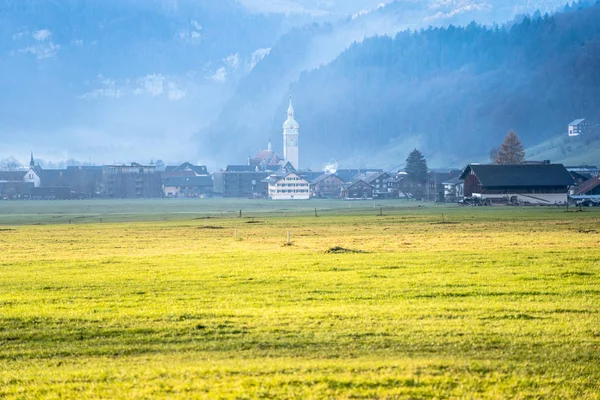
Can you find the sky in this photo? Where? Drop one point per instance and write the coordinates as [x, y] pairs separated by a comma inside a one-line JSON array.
[[135, 80]]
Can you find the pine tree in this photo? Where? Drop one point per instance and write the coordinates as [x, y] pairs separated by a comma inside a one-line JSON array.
[[416, 167], [511, 151]]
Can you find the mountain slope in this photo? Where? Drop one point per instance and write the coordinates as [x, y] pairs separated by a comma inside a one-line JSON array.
[[458, 89], [256, 110]]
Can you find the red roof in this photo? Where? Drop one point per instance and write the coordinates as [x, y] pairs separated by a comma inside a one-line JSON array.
[[589, 185]]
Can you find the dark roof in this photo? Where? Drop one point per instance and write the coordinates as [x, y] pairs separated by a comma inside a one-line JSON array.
[[12, 176], [186, 166], [241, 168], [371, 176], [188, 181], [453, 181], [492, 175], [323, 177], [588, 185], [357, 182], [310, 175], [348, 175]]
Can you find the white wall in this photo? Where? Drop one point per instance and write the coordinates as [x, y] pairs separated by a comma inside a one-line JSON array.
[[534, 198]]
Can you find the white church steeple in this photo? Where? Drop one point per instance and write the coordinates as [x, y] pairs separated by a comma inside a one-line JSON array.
[[290, 137]]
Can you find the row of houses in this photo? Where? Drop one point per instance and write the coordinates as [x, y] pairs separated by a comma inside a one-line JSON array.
[[110, 181], [534, 183]]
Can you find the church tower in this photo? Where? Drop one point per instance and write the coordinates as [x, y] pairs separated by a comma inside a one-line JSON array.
[[290, 137]]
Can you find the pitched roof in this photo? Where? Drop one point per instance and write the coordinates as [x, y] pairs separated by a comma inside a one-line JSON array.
[[357, 182], [492, 175], [273, 179], [188, 181], [576, 122], [588, 185], [12, 176], [349, 175], [453, 181], [186, 166], [323, 177]]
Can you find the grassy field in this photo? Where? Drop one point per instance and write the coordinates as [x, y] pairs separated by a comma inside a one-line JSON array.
[[160, 301]]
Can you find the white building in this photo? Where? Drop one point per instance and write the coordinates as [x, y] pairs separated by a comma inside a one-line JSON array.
[[290, 137], [288, 187], [579, 127]]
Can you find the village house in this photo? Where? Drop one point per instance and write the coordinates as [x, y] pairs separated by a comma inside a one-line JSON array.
[[453, 190], [543, 184], [378, 180], [188, 186], [13, 186], [133, 180], [349, 175], [580, 127], [287, 184], [435, 190], [288, 187], [327, 186], [358, 190], [240, 181]]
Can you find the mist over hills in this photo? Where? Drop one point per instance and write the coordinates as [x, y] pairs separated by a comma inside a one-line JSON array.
[[121, 79], [208, 81], [256, 110], [453, 91]]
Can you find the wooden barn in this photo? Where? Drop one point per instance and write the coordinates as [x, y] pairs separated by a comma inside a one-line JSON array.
[[358, 190], [542, 184]]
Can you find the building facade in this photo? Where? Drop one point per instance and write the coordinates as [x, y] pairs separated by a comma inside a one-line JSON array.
[[240, 181], [131, 181], [327, 186], [358, 190], [288, 187]]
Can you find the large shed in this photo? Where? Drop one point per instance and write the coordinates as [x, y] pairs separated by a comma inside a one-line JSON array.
[[542, 183]]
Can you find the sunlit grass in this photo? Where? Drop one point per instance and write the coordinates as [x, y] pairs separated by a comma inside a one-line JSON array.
[[498, 303]]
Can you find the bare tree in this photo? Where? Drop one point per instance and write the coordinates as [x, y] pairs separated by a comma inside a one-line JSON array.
[[10, 164]]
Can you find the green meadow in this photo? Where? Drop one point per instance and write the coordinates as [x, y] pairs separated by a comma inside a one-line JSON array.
[[373, 300]]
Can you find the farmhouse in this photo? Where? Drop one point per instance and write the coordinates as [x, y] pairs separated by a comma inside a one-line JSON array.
[[525, 183], [240, 181], [379, 182], [327, 186], [187, 186], [358, 190]]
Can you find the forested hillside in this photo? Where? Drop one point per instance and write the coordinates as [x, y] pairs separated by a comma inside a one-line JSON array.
[[452, 91], [458, 89]]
